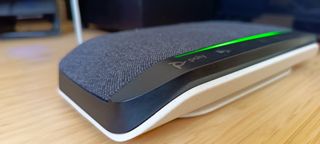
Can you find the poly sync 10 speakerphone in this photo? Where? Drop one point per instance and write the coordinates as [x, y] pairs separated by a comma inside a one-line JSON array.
[[130, 82]]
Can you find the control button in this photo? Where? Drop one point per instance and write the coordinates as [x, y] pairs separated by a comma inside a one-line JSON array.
[[223, 51]]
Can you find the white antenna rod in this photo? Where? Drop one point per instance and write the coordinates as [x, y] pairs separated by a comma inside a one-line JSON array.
[[76, 17]]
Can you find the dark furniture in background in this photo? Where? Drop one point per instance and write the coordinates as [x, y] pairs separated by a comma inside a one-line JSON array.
[[124, 14], [129, 14], [305, 13], [13, 11]]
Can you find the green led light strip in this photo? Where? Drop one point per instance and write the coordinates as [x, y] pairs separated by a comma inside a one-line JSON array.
[[239, 40]]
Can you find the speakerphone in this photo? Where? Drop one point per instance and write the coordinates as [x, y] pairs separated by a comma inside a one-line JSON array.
[[129, 82]]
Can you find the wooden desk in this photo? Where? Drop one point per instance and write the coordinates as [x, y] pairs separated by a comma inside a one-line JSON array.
[[31, 111]]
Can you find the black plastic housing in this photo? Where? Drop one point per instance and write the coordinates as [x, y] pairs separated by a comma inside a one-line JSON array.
[[165, 81]]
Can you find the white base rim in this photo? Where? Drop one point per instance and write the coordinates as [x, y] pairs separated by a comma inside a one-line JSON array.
[[216, 105]]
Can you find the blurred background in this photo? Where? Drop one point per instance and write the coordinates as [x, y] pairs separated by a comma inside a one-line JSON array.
[[40, 18], [36, 34]]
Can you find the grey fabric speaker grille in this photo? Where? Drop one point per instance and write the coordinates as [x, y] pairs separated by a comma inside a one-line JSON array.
[[105, 64]]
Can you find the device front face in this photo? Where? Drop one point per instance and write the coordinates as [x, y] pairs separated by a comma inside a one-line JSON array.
[[195, 67], [157, 85]]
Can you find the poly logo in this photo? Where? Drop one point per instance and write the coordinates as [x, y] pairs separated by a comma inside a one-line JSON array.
[[178, 64]]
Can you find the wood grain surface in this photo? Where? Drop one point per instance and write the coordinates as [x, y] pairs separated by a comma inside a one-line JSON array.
[[31, 111]]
